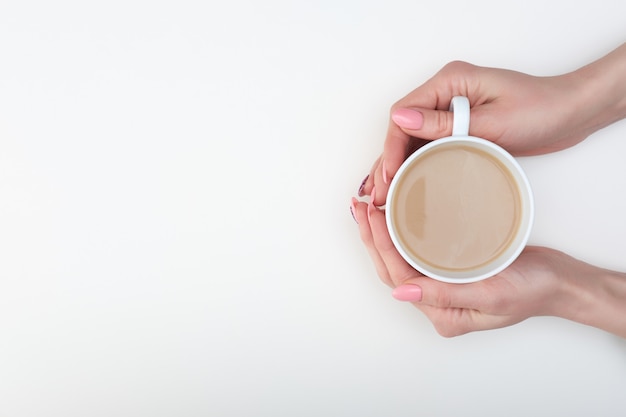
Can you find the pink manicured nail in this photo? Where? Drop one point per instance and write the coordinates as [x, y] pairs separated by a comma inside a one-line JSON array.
[[353, 209], [362, 186], [407, 292], [408, 119], [385, 178]]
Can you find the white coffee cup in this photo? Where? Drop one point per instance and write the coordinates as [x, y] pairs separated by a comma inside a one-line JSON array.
[[460, 209]]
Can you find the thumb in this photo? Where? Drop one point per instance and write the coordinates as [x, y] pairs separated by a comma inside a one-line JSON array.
[[438, 294], [423, 123]]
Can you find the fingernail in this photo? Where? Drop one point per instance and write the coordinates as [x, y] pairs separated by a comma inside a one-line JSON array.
[[353, 209], [408, 119], [407, 292], [362, 186], [385, 179]]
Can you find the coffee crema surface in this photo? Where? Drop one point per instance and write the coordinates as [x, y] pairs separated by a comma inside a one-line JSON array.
[[456, 208]]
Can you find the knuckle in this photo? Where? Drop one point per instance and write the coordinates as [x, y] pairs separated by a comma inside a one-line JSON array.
[[399, 278], [449, 328], [386, 246], [445, 328], [384, 277], [441, 123], [446, 331], [366, 237], [457, 66], [442, 299]]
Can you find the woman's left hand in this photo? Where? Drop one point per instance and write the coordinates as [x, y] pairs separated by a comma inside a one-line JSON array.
[[535, 284]]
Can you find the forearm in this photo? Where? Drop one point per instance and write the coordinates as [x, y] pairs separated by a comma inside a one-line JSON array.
[[598, 299], [601, 90]]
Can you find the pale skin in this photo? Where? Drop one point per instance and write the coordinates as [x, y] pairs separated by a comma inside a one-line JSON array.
[[526, 115]]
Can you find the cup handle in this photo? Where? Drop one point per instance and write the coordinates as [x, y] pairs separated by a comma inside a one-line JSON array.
[[460, 108]]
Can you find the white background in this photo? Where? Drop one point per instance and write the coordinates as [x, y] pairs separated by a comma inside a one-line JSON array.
[[175, 238]]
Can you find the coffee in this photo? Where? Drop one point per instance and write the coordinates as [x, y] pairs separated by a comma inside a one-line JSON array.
[[456, 208]]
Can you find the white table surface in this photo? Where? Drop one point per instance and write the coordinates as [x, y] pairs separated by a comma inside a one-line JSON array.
[[175, 238]]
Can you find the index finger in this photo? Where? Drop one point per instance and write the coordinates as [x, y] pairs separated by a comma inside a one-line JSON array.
[[399, 144]]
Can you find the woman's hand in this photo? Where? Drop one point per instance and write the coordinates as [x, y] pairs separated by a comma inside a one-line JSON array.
[[541, 282], [524, 114]]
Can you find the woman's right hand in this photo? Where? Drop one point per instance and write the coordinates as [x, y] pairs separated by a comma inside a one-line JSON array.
[[527, 115]]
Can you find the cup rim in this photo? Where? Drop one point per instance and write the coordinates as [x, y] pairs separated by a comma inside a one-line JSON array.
[[521, 236]]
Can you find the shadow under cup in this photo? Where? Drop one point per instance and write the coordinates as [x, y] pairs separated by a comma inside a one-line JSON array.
[[460, 209]]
